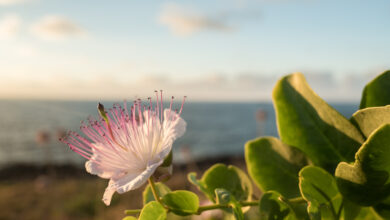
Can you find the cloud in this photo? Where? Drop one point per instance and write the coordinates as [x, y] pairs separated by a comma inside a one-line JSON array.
[[10, 25], [53, 27], [183, 21], [12, 2], [209, 87]]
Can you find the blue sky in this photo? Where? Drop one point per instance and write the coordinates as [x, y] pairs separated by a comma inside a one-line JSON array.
[[207, 50]]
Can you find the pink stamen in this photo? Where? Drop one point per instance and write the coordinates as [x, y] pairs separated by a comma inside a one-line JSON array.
[[161, 109], [119, 134], [170, 108], [182, 104], [157, 104], [139, 112]]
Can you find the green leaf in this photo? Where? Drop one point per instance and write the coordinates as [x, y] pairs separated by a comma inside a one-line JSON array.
[[273, 207], [367, 213], [377, 92], [237, 210], [369, 119], [274, 165], [182, 202], [230, 178], [192, 179], [351, 210], [161, 189], [153, 211], [383, 209], [224, 197], [319, 189], [129, 218], [307, 122], [366, 182]]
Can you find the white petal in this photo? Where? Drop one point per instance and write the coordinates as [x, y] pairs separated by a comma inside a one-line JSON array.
[[133, 181], [174, 127], [103, 172], [163, 154], [107, 196], [173, 124]]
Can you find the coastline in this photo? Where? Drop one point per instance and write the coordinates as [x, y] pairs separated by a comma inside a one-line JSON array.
[[69, 192]]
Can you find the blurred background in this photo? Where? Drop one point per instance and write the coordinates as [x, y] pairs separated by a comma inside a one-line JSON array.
[[59, 58]]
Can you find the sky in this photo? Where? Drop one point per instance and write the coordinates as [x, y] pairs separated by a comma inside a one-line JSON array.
[[222, 50]]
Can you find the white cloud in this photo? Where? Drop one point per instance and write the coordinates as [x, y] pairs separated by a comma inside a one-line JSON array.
[[25, 50], [53, 27], [209, 87], [12, 2], [10, 25], [183, 21]]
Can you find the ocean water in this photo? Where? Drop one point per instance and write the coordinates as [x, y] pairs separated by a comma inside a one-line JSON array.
[[29, 130]]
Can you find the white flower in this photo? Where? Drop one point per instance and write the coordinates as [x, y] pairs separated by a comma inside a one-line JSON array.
[[127, 148]]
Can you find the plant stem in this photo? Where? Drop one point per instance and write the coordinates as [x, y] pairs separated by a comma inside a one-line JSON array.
[[154, 190], [210, 207], [219, 206], [297, 200]]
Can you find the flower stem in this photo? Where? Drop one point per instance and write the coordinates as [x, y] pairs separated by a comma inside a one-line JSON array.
[[210, 207], [219, 206], [297, 200], [154, 190]]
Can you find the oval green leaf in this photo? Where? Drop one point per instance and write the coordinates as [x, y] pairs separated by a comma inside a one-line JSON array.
[[307, 122], [319, 189], [153, 211], [369, 119], [230, 178], [377, 92], [272, 207], [274, 165], [366, 182], [182, 202]]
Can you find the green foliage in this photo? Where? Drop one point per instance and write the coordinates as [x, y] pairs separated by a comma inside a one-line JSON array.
[[367, 213], [161, 189], [377, 92], [273, 207], [181, 202], [383, 208], [307, 122], [230, 178], [237, 210], [274, 165], [311, 132], [224, 197], [319, 189], [153, 211], [366, 182], [369, 119]]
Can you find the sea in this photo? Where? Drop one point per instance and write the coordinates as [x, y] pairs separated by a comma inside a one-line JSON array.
[[29, 130]]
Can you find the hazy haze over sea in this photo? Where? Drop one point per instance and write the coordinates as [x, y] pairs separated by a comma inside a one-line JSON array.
[[213, 129]]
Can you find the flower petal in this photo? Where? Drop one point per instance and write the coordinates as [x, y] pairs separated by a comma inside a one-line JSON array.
[[102, 171], [173, 125], [135, 180], [107, 196]]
